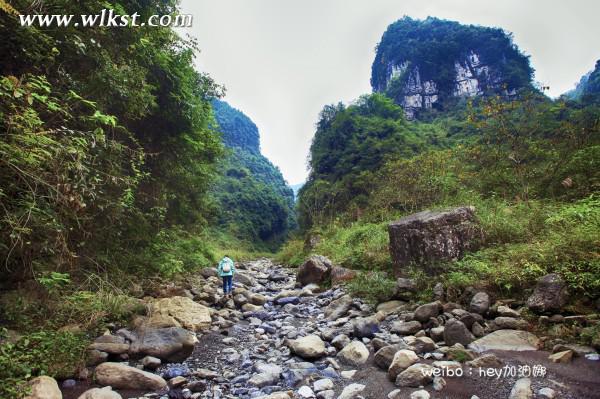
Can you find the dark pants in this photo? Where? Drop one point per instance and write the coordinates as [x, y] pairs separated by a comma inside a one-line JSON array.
[[227, 283]]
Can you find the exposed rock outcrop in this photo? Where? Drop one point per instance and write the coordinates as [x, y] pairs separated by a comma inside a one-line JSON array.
[[428, 237]]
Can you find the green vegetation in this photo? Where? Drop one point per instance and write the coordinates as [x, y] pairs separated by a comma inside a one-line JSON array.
[[254, 201], [529, 166], [56, 354], [113, 176]]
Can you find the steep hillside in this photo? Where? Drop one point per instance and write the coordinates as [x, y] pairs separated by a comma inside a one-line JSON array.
[[588, 87], [255, 202], [432, 63]]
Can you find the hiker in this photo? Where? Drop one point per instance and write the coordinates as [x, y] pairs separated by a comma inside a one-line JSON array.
[[226, 269]]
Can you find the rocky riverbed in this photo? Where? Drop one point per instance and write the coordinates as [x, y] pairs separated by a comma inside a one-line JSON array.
[[276, 339]]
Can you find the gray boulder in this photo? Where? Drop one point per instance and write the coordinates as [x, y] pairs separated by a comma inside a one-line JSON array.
[[456, 332], [428, 237], [480, 303], [315, 270], [173, 344], [424, 312], [550, 294]]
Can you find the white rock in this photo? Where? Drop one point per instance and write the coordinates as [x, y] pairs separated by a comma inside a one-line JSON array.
[[546, 393], [306, 392], [323, 384], [422, 394], [521, 389], [348, 374], [351, 391]]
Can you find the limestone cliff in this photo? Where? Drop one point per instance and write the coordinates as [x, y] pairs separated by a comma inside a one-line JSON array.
[[426, 64]]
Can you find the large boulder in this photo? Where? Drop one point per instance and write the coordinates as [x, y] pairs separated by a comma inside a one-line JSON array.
[[120, 376], [100, 393], [309, 347], [428, 237], [184, 311], [455, 331], [315, 270], [550, 294], [508, 340], [44, 387], [172, 344]]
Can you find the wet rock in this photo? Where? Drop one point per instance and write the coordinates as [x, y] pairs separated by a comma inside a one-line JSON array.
[[514, 340], [315, 270], [456, 332], [354, 354], [424, 312], [402, 360], [309, 347], [521, 389], [120, 376], [550, 294], [420, 394], [578, 350], [415, 376], [43, 388], [428, 237], [480, 303]]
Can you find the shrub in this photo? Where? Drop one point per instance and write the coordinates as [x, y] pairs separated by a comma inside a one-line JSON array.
[[373, 286], [57, 354]]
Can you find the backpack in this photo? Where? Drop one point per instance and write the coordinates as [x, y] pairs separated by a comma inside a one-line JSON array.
[[226, 266]]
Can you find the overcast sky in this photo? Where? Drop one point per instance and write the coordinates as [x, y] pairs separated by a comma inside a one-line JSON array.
[[283, 60]]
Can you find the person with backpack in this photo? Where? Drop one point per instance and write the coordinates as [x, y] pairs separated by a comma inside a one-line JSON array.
[[226, 270]]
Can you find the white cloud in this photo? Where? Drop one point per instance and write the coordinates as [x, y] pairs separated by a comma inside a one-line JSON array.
[[283, 60]]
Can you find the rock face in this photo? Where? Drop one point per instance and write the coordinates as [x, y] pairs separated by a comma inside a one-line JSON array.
[[550, 294], [315, 270], [428, 237], [121, 376], [185, 313], [508, 340], [44, 388], [408, 66]]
